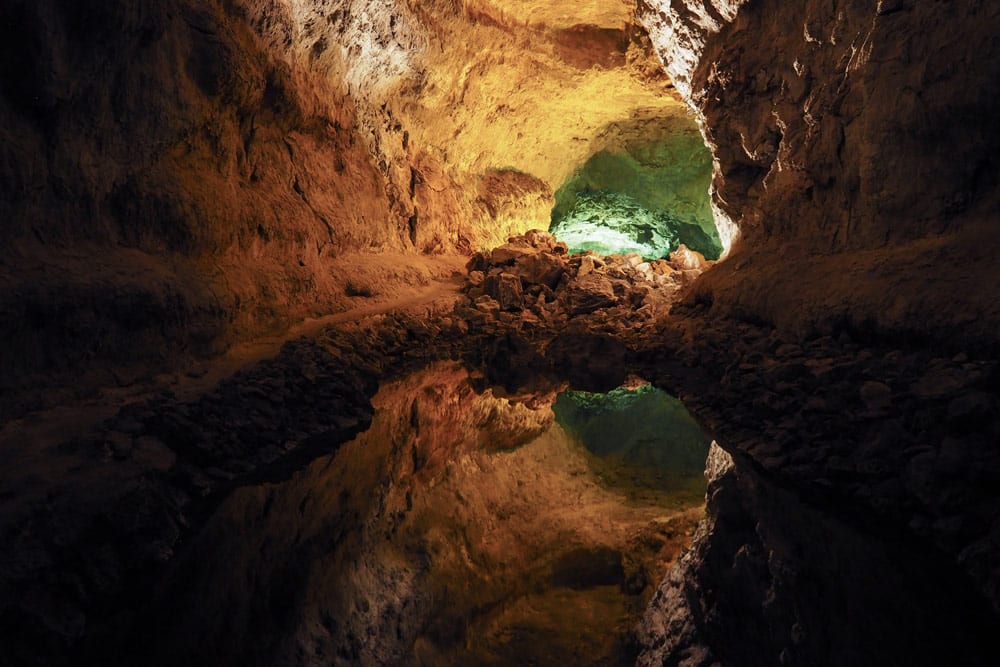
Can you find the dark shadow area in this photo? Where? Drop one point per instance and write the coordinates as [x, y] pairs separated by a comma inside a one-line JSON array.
[[772, 579]]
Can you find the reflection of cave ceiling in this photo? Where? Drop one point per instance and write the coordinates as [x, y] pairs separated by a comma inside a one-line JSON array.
[[559, 15]]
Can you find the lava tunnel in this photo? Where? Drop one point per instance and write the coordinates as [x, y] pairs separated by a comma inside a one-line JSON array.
[[499, 332]]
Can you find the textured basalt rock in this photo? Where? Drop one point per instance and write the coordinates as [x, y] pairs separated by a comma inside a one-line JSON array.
[[859, 438], [175, 175], [785, 582], [831, 123], [854, 153], [166, 184], [546, 289]]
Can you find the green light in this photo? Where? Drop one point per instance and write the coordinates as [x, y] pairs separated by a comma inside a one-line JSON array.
[[643, 426], [610, 223], [647, 196]]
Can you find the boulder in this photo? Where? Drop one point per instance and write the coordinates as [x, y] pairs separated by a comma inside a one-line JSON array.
[[508, 253], [476, 278], [506, 289], [478, 262], [541, 240], [876, 395], [541, 268], [487, 304], [589, 293], [686, 259], [633, 259]]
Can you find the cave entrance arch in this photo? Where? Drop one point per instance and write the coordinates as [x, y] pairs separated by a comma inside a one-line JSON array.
[[648, 192]]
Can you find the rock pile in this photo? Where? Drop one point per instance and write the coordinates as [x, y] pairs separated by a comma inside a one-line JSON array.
[[532, 282]]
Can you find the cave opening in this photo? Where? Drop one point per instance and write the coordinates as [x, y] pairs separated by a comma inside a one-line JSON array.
[[648, 195]]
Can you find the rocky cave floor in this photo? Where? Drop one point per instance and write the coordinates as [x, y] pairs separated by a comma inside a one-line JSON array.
[[897, 440]]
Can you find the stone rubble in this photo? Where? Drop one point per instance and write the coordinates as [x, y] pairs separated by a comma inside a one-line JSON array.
[[533, 278]]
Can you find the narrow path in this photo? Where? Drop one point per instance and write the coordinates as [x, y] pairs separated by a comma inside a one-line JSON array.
[[436, 297]]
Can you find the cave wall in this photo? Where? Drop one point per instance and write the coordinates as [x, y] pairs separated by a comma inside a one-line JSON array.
[[179, 175], [166, 184], [176, 176], [855, 151]]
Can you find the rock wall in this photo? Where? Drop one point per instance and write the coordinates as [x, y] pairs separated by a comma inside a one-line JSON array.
[[855, 154], [854, 150], [166, 184], [785, 582]]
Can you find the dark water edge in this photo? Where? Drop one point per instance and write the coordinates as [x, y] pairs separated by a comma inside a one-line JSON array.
[[774, 580], [461, 528]]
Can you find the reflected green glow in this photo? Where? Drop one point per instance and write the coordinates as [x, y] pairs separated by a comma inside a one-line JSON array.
[[643, 427]]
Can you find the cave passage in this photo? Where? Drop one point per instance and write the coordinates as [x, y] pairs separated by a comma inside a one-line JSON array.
[[461, 528], [648, 198]]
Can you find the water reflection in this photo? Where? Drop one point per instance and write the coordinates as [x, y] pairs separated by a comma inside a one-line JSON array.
[[461, 528], [775, 579], [643, 439]]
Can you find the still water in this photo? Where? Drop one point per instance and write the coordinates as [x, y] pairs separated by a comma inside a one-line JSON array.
[[461, 528]]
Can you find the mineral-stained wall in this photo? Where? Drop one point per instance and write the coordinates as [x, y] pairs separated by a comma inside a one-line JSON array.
[[855, 147]]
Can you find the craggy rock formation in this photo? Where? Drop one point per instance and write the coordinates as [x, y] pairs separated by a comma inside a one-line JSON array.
[[531, 282], [166, 183], [833, 125], [787, 583], [856, 154]]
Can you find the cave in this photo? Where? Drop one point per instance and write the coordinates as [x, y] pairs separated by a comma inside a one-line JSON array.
[[499, 332]]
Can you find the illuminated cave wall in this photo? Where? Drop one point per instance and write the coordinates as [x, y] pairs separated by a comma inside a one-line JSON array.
[[175, 176], [856, 150], [647, 198], [178, 175]]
